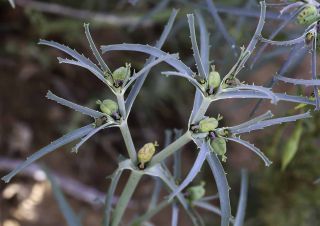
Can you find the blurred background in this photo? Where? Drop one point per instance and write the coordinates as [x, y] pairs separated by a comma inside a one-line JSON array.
[[28, 121]]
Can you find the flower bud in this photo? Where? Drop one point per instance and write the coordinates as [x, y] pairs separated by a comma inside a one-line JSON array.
[[146, 153], [231, 82], [120, 75], [309, 37], [207, 125], [196, 192], [218, 145], [108, 106], [214, 79], [308, 15]]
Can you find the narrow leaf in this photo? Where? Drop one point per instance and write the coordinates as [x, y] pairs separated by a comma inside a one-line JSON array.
[[74, 106], [242, 204], [222, 185], [204, 42], [304, 82], [110, 194], [89, 135], [260, 89], [259, 118], [13, 5], [76, 134], [177, 64], [195, 48], [193, 171], [271, 122], [69, 215], [253, 148], [284, 43], [72, 53], [274, 34], [95, 51], [97, 73]]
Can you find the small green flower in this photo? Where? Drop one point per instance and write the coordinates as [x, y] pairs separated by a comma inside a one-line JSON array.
[[308, 15], [208, 124], [218, 145], [214, 78], [146, 153], [196, 192], [120, 75], [108, 107]]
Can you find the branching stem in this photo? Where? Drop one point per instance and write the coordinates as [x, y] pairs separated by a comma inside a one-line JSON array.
[[170, 149]]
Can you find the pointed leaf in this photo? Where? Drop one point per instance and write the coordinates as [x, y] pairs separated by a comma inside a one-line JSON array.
[[271, 122], [95, 51], [260, 89], [253, 148], [98, 74], [273, 35], [204, 43], [69, 137], [177, 64], [259, 118], [304, 82], [109, 197], [69, 215], [196, 53], [74, 106], [93, 132], [72, 53], [222, 185], [193, 171], [242, 204]]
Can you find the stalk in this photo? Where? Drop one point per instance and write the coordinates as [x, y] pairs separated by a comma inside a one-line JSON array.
[[150, 213], [170, 149], [202, 110], [125, 197], [121, 104], [128, 141]]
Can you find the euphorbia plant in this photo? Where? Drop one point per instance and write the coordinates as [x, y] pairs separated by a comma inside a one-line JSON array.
[[210, 138]]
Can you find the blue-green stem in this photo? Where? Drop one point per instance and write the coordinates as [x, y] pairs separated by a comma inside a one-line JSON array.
[[128, 141], [138, 221], [170, 149], [125, 129], [202, 110], [125, 197], [121, 104]]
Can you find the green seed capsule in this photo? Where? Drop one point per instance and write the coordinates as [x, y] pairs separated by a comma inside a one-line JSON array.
[[146, 153], [308, 15], [219, 146], [214, 79], [196, 192], [208, 124], [120, 75], [108, 106]]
